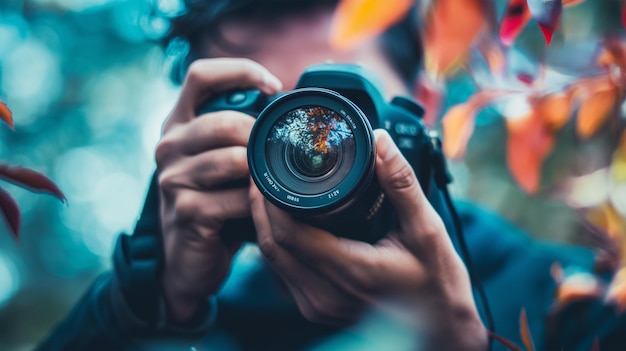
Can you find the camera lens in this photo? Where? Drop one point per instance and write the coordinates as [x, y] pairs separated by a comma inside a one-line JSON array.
[[311, 152], [310, 149]]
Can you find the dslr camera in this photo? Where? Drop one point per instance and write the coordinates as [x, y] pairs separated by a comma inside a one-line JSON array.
[[312, 150]]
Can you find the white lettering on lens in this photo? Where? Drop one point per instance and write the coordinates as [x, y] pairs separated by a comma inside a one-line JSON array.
[[293, 198], [270, 181], [333, 193]]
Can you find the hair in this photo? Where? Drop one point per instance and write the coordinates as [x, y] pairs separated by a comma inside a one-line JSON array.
[[200, 20]]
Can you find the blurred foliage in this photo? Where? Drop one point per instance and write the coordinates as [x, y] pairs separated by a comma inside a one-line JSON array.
[[89, 91]]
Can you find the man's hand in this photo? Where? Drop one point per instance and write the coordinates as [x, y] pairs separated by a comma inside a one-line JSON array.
[[195, 158], [333, 279]]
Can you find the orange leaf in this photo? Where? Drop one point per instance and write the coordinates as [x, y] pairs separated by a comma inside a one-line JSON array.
[[524, 331], [606, 218], [356, 21], [451, 28], [529, 142], [570, 3], [618, 164], [613, 54], [594, 110], [458, 126], [555, 110], [504, 341], [576, 287], [5, 114], [515, 19]]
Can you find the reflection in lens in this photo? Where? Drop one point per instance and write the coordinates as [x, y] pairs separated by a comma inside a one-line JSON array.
[[310, 149]]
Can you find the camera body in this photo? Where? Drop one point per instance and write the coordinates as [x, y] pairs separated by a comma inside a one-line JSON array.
[[312, 150]]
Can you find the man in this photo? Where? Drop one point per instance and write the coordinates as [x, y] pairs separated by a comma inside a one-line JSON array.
[[166, 290]]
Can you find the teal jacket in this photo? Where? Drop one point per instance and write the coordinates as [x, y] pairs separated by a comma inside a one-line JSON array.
[[123, 309]]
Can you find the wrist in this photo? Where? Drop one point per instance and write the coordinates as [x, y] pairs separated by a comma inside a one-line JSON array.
[[461, 330]]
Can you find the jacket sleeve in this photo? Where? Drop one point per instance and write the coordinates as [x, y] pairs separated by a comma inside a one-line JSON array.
[[124, 309]]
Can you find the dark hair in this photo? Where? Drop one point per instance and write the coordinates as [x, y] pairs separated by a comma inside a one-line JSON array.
[[201, 19]]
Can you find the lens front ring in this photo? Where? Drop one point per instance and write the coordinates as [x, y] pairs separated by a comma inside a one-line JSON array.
[[358, 174]]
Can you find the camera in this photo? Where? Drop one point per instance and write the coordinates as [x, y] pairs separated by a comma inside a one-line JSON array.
[[312, 150]]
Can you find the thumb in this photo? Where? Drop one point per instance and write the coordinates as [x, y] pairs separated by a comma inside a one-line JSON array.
[[396, 176], [400, 185]]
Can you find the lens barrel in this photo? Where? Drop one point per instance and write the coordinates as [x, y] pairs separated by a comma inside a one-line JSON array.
[[312, 153]]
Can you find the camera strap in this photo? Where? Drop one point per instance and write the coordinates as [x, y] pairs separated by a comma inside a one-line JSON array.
[[442, 178]]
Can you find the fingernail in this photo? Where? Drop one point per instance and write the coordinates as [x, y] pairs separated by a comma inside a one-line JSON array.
[[386, 147], [272, 81]]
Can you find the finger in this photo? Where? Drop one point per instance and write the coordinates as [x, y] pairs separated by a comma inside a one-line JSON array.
[[210, 131], [209, 210], [416, 216], [318, 298], [209, 76], [346, 263], [207, 170]]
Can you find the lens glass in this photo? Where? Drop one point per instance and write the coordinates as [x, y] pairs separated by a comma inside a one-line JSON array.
[[310, 149]]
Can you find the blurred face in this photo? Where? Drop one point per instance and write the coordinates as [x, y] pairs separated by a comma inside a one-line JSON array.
[[286, 47]]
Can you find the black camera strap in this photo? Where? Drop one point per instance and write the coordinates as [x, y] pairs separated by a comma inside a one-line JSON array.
[[442, 178]]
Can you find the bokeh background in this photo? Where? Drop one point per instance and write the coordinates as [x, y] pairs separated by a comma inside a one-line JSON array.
[[89, 89]]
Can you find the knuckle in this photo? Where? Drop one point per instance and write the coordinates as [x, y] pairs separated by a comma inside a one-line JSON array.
[[326, 307], [196, 69], [360, 282], [240, 157], [268, 248], [250, 69], [283, 238], [164, 150], [167, 147], [185, 209], [403, 178], [167, 180], [225, 124]]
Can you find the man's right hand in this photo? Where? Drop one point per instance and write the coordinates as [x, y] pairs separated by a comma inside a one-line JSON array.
[[195, 158]]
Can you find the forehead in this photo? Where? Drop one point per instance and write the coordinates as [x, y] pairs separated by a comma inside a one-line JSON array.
[[288, 45]]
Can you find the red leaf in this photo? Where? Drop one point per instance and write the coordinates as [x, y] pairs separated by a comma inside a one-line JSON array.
[[11, 213], [547, 14], [524, 331], [5, 114], [429, 94], [504, 341], [515, 19], [30, 180], [528, 143], [358, 20], [525, 78]]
